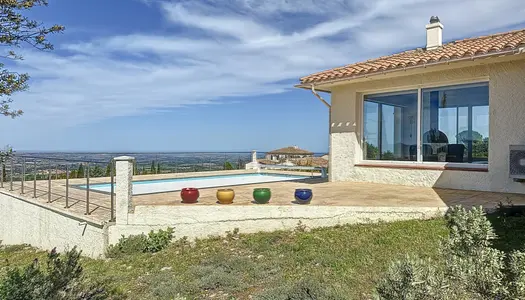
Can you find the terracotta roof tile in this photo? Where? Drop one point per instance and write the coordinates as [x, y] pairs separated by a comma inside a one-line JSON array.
[[470, 47], [290, 150]]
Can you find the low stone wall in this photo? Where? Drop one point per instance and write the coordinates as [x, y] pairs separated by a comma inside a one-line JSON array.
[[201, 221], [26, 222]]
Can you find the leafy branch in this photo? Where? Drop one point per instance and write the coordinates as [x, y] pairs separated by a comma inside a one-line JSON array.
[[17, 30]]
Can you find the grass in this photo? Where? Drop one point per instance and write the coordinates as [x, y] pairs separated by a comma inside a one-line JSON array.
[[345, 259]]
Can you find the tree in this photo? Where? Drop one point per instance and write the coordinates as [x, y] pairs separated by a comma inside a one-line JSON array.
[[80, 171], [97, 171], [463, 137], [17, 30], [228, 166], [135, 168], [152, 168], [480, 149], [4, 155], [158, 168], [372, 152], [108, 170], [60, 277]]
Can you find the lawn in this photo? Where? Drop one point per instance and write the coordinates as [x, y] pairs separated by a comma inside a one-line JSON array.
[[346, 260]]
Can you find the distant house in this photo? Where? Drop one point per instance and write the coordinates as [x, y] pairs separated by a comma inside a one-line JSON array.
[[423, 117], [288, 154]]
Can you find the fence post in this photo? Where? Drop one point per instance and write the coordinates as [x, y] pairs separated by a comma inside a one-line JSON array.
[[67, 185], [124, 188], [112, 175], [23, 176], [49, 185], [11, 175], [87, 188], [34, 180]]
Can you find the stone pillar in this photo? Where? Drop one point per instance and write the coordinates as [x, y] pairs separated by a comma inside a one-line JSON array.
[[253, 165], [124, 188]]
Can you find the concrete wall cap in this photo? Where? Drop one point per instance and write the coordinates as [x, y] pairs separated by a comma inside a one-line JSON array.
[[124, 158]]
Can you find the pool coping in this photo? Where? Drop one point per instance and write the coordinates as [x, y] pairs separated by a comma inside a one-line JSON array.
[[82, 186]]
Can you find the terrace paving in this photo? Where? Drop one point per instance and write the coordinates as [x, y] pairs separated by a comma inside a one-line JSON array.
[[325, 193]]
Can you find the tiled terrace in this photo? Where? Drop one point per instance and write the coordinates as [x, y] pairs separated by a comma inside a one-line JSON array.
[[325, 193]]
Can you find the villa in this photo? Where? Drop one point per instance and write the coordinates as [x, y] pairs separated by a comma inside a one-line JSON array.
[[447, 115], [288, 153]]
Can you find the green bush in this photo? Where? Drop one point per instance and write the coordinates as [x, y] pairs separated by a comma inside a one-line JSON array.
[[469, 267], [141, 243], [62, 278], [412, 278]]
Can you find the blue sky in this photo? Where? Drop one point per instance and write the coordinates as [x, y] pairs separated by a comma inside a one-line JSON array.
[[210, 75]]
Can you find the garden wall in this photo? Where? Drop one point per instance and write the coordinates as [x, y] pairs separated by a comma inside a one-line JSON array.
[[23, 221]]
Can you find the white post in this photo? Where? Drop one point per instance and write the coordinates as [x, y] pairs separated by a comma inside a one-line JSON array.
[[124, 188], [253, 165]]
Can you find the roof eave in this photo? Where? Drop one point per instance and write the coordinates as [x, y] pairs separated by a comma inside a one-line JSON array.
[[308, 85]]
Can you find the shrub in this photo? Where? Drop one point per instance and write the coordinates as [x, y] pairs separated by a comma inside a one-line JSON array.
[[471, 268], [516, 275], [470, 231], [412, 278], [61, 279], [141, 243]]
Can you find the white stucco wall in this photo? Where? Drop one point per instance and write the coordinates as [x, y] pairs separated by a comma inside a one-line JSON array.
[[506, 120], [25, 222], [200, 221]]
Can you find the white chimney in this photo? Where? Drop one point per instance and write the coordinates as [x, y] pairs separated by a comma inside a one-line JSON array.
[[434, 33]]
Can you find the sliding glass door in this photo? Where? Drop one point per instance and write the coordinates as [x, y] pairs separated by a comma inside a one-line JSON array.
[[453, 122]]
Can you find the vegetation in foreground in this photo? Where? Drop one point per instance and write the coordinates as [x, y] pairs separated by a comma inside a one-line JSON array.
[[469, 266], [326, 262], [344, 262]]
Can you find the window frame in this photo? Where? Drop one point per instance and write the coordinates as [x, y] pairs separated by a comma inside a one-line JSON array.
[[419, 157]]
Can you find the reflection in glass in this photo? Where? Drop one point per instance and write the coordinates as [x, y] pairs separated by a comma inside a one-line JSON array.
[[455, 124], [390, 126]]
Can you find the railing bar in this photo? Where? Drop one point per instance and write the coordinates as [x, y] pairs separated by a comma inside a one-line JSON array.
[[67, 186], [87, 188], [23, 175], [34, 180], [57, 159], [49, 174], [11, 175]]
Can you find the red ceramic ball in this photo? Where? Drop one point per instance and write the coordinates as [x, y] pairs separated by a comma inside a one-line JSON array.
[[189, 195]]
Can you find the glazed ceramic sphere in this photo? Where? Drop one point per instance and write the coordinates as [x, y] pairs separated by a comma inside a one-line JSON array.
[[262, 195], [189, 195], [303, 196], [225, 196]]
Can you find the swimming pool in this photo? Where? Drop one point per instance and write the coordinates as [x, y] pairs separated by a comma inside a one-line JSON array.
[[177, 184]]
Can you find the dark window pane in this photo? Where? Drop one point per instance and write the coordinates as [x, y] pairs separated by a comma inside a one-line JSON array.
[[455, 124], [390, 126]]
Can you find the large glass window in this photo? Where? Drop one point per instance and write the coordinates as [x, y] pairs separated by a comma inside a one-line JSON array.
[[453, 122], [390, 126]]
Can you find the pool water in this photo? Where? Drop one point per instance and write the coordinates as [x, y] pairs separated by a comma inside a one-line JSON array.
[[177, 184]]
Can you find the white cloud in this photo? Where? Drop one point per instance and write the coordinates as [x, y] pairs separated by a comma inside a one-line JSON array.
[[239, 48]]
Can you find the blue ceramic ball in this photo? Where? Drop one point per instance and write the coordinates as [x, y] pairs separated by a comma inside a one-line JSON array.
[[303, 196]]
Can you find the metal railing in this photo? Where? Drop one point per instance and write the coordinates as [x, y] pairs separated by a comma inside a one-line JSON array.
[[147, 164], [60, 181]]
